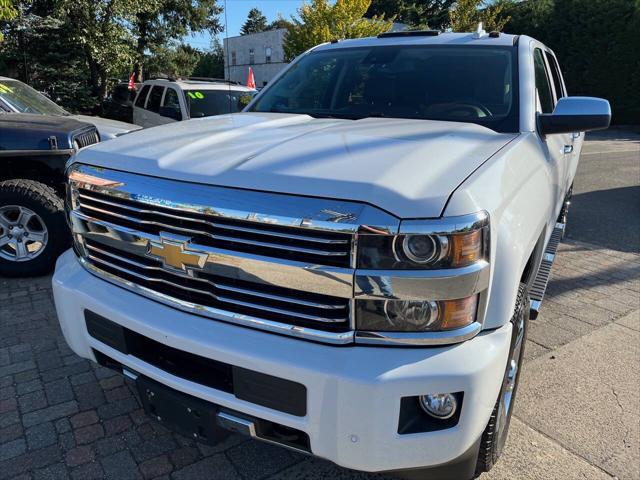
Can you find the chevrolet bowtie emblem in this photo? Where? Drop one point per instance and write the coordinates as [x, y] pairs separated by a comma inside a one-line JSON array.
[[175, 253]]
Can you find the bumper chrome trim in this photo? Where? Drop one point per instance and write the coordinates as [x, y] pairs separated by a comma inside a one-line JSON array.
[[418, 339]]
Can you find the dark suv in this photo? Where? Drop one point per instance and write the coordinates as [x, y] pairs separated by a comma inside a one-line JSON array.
[[33, 152]]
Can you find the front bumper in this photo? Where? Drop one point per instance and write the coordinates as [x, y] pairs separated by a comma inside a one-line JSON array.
[[353, 393]]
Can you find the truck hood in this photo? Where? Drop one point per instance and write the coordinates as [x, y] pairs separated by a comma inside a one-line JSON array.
[[407, 167], [107, 128]]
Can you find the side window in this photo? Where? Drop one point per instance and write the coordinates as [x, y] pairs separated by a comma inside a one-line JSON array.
[[171, 99], [543, 85], [155, 96], [143, 96], [557, 78]]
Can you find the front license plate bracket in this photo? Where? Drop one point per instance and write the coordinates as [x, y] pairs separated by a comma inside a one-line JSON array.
[[188, 415]]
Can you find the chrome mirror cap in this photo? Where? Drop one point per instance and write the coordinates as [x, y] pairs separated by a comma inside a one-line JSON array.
[[576, 114]]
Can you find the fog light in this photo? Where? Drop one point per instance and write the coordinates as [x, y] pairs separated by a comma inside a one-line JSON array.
[[439, 405]]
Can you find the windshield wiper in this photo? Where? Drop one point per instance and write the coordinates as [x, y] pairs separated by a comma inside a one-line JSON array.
[[374, 115], [345, 116]]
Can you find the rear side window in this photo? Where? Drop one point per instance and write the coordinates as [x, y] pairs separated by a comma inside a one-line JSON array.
[[543, 85], [155, 96], [142, 97], [555, 75], [171, 98]]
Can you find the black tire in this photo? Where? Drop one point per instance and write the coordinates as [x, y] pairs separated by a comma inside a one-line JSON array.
[[495, 434], [42, 200]]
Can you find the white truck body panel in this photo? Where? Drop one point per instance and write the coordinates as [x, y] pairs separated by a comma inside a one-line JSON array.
[[416, 166]]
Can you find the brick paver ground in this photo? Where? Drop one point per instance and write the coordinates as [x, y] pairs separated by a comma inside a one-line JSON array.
[[64, 417]]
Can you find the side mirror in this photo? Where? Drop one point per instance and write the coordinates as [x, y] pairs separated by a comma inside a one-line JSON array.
[[171, 112], [576, 114]]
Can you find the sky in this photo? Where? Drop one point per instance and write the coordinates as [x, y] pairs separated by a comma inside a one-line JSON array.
[[237, 11]]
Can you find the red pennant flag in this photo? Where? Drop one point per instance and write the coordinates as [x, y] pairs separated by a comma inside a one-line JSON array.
[[251, 83], [132, 83]]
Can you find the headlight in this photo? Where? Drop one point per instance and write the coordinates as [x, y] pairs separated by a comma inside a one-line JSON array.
[[425, 245], [399, 288], [422, 249], [415, 315]]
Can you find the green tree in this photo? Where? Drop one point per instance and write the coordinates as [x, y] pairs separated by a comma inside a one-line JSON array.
[[178, 60], [417, 14], [100, 28], [7, 12], [157, 23], [320, 21], [596, 42], [39, 50], [211, 63], [466, 14], [256, 22], [279, 22]]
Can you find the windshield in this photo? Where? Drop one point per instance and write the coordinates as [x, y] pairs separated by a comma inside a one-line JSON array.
[[205, 103], [25, 99], [456, 83]]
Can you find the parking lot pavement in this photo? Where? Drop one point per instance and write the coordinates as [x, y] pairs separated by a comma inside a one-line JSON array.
[[577, 414]]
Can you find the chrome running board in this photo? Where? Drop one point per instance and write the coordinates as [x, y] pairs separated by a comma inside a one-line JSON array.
[[539, 286]]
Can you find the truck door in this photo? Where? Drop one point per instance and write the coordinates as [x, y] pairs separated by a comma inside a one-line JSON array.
[[152, 116], [573, 141], [139, 104], [555, 146], [171, 101]]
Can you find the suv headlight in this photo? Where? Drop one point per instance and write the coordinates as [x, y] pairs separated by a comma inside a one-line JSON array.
[[428, 277]]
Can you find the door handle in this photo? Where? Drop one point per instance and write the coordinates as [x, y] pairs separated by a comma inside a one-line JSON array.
[[568, 149], [575, 134]]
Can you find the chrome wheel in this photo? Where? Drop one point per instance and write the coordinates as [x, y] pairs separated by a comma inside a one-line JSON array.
[[23, 234]]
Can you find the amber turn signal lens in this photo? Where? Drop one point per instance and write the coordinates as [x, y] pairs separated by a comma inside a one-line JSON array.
[[458, 313], [465, 248]]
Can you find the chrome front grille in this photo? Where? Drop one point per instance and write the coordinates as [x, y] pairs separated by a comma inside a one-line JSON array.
[[281, 263], [89, 137], [313, 246], [223, 293]]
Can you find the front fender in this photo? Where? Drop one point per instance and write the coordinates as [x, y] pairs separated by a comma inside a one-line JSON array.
[[517, 187]]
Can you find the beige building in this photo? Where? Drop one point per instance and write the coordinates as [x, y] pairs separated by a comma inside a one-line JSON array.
[[262, 52]]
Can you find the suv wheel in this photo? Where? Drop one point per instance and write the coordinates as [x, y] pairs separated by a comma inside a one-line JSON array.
[[495, 434], [33, 230]]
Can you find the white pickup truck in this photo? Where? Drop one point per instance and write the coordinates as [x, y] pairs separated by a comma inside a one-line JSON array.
[[346, 268]]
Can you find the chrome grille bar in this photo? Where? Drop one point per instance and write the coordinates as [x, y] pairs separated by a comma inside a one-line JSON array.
[[83, 195], [87, 138], [218, 292], [191, 231], [287, 244], [339, 305]]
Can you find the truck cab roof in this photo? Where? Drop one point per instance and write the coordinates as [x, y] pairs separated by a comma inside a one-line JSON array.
[[426, 38]]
